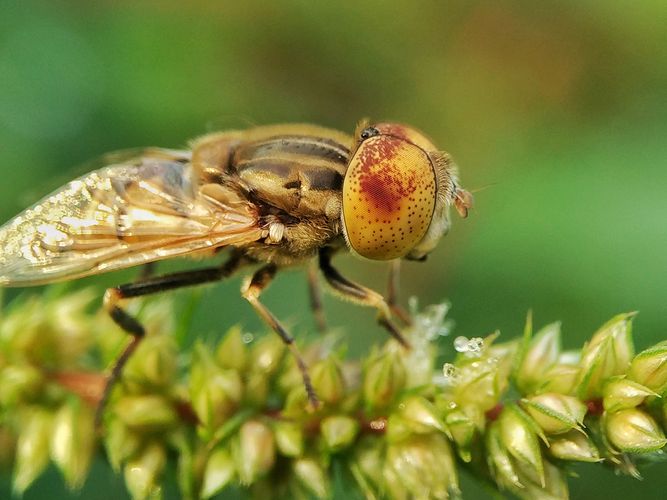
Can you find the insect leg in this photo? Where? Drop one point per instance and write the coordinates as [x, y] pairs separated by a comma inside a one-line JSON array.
[[392, 292], [315, 291], [251, 291], [359, 294], [113, 296]]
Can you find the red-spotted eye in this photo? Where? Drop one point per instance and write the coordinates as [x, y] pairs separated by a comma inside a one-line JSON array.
[[389, 196]]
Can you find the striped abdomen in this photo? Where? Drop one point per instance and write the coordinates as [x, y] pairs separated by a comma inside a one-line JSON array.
[[301, 174]]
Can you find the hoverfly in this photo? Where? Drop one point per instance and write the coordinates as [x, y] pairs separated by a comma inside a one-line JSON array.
[[275, 196]]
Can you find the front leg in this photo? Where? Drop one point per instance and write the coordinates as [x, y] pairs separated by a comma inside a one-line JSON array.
[[315, 293], [251, 291], [359, 294], [392, 292]]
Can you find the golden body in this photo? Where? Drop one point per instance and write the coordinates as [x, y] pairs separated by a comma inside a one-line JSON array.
[[293, 174]]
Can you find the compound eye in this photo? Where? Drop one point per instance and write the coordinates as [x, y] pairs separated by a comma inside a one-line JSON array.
[[389, 196]]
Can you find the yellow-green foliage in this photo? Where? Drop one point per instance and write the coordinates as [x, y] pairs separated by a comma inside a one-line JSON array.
[[399, 423]]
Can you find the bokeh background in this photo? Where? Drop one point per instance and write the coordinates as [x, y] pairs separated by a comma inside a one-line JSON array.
[[556, 110]]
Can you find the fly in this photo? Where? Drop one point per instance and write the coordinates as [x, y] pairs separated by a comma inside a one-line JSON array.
[[274, 196]]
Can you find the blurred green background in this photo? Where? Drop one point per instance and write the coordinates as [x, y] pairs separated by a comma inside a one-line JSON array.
[[557, 108]]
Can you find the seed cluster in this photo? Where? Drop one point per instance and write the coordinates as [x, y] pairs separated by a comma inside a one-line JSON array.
[[515, 413]]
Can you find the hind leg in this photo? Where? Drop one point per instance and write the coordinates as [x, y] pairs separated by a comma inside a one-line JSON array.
[[114, 297]]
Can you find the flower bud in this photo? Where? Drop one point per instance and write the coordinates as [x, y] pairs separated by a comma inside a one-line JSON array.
[[620, 393], [462, 429], [48, 330], [500, 461], [384, 380], [367, 465], [561, 378], [120, 443], [338, 432], [72, 325], [153, 364], [296, 403], [218, 473], [649, 368], [541, 353], [32, 449], [393, 485], [518, 436], [573, 446], [423, 465], [157, 314], [148, 413], [19, 383], [328, 381], [142, 473], [552, 485], [256, 388], [289, 438], [214, 391], [421, 414], [397, 428], [290, 376], [73, 442], [21, 326], [232, 351], [474, 383], [634, 431], [266, 354], [555, 413], [607, 354], [313, 476], [255, 452]]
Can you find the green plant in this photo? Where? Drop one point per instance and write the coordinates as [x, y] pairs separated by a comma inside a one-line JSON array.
[[398, 423]]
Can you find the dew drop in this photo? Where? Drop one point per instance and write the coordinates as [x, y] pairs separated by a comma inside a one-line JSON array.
[[449, 370], [248, 338], [475, 344], [461, 344], [471, 346]]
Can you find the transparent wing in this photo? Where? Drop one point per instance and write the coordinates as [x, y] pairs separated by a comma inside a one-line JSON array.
[[135, 211]]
